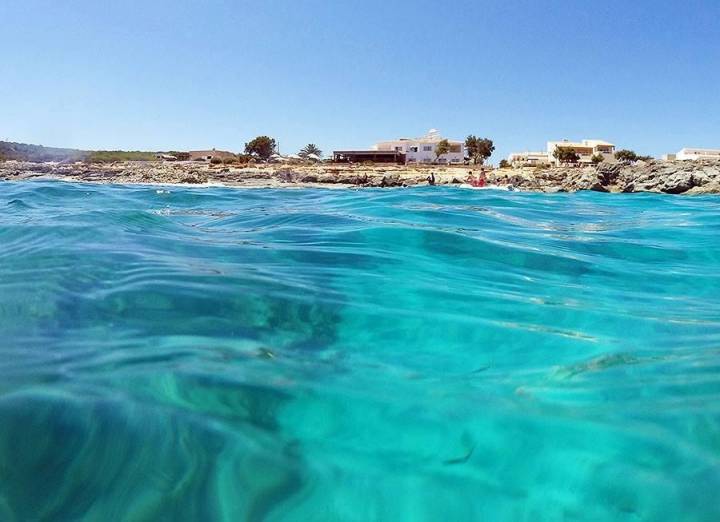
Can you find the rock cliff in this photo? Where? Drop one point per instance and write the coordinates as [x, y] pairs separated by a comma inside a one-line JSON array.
[[672, 177]]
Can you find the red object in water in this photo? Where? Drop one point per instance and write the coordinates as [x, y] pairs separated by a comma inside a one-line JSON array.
[[476, 182]]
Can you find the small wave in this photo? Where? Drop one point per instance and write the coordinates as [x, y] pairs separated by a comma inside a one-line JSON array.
[[229, 353]]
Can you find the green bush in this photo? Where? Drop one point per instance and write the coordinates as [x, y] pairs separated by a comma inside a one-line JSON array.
[[109, 156], [262, 147], [625, 155]]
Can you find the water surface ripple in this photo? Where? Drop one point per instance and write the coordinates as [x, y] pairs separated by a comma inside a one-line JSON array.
[[173, 353]]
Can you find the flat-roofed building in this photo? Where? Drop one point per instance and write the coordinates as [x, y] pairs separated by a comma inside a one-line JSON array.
[[586, 149], [422, 150], [209, 155], [373, 156], [697, 154], [529, 159]]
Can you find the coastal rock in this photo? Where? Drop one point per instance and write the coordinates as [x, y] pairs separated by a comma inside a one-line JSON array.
[[326, 178], [554, 189], [672, 177], [712, 187], [608, 174], [195, 178], [678, 183], [286, 176]]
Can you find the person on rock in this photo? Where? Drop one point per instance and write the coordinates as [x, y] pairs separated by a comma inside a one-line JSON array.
[[478, 182]]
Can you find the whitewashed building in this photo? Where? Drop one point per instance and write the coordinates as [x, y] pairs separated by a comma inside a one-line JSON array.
[[586, 149], [695, 154], [422, 150], [529, 159]]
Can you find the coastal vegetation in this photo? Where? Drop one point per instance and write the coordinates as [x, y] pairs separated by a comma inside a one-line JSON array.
[[26, 152], [629, 156], [310, 150], [40, 154], [262, 147], [504, 164], [626, 155], [443, 147], [479, 149], [566, 156], [597, 159], [110, 156]]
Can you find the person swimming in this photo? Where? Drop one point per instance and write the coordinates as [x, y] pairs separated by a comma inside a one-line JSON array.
[[478, 182]]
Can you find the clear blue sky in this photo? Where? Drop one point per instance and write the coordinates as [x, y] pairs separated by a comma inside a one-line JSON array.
[[195, 74]]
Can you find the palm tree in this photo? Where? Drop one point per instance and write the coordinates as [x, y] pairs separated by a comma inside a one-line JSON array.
[[309, 150]]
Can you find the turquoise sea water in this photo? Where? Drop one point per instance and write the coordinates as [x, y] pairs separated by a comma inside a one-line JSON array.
[[177, 354]]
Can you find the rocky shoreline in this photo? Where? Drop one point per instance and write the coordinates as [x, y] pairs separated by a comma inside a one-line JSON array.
[[671, 177]]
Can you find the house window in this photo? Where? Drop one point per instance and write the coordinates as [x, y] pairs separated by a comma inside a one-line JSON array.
[[427, 148]]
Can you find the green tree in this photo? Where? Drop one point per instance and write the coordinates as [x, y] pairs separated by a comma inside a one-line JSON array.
[[566, 155], [597, 159], [625, 155], [310, 149], [479, 149], [504, 164], [263, 147], [443, 147]]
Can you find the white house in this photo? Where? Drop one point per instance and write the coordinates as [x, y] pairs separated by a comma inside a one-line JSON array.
[[523, 159], [422, 150], [586, 149], [696, 154]]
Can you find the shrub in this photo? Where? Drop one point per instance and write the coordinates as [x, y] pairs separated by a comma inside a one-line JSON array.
[[110, 156], [479, 149], [262, 147], [626, 155], [443, 147], [564, 155]]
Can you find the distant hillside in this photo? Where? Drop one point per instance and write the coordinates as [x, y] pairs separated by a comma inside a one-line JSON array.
[[25, 152], [38, 153]]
